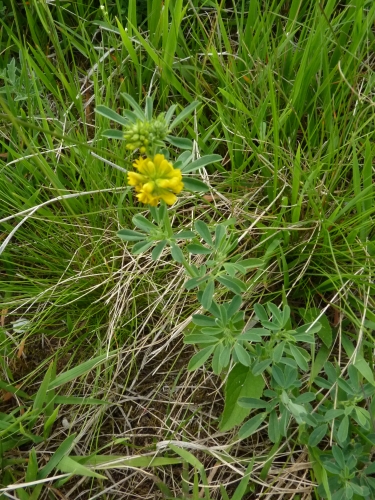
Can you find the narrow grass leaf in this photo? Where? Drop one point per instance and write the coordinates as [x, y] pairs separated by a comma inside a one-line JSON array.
[[56, 458], [77, 371], [71, 466]]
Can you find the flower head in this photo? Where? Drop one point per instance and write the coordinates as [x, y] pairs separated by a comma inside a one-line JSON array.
[[143, 134], [155, 180]]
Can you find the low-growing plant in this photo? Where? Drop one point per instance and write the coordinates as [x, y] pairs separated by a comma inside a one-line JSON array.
[[263, 345]]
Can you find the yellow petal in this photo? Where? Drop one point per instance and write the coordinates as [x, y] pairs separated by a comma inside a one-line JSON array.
[[149, 187], [168, 197], [134, 178]]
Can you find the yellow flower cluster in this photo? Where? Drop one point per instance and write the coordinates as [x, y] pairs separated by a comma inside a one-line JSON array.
[[155, 180]]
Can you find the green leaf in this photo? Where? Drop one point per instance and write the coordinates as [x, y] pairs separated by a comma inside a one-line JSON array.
[[339, 456], [234, 305], [317, 435], [216, 364], [201, 320], [183, 235], [343, 429], [300, 360], [364, 369], [233, 269], [276, 313], [234, 284], [180, 142], [50, 421], [194, 185], [129, 235], [201, 162], [200, 358], [260, 312], [212, 331], [111, 115], [56, 458], [158, 249], [225, 356], [196, 338], [114, 134], [252, 425], [325, 331], [242, 355], [253, 403], [142, 223], [184, 114], [136, 107], [208, 294], [169, 113], [203, 231], [198, 249], [141, 247], [77, 400], [220, 234], [259, 368], [70, 466], [194, 282], [240, 383], [41, 395], [274, 433], [77, 371], [32, 466], [250, 337], [115, 461], [240, 492], [251, 263], [278, 351], [149, 108], [176, 253]]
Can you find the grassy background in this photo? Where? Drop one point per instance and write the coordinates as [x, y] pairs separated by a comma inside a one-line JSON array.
[[287, 94]]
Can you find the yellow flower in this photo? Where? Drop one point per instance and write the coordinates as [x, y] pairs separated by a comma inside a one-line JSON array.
[[155, 180]]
